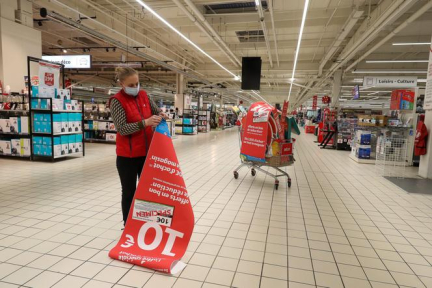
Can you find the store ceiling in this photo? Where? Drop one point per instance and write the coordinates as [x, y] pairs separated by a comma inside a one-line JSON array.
[[237, 23]]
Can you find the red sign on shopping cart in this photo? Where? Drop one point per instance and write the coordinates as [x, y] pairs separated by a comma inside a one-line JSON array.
[[286, 149], [255, 130]]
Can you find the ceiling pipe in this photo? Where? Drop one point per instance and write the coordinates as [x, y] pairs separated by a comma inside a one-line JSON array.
[[120, 45], [270, 7], [393, 33], [207, 25], [346, 29], [210, 35], [397, 7], [264, 28]]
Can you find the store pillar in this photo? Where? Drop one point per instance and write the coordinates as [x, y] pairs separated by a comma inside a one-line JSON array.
[[17, 41], [425, 169], [179, 99], [337, 82]]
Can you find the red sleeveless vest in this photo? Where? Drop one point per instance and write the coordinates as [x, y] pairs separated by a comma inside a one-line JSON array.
[[136, 109]]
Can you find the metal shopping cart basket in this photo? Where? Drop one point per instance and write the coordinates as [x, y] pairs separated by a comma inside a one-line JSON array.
[[278, 153]]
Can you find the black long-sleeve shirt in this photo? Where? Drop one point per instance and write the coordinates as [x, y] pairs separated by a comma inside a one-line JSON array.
[[119, 117]]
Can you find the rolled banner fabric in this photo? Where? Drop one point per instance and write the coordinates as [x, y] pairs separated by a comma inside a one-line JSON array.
[[161, 220]]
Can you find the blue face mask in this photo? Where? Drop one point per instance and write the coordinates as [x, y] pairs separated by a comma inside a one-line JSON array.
[[132, 91]]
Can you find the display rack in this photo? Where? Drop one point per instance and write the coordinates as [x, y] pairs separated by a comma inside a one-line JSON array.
[[391, 156], [345, 131], [203, 121], [189, 122], [54, 144]]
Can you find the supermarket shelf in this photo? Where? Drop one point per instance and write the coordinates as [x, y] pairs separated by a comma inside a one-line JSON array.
[[60, 156], [21, 111], [99, 120], [91, 140], [57, 111], [111, 131], [16, 156], [16, 134], [56, 134]]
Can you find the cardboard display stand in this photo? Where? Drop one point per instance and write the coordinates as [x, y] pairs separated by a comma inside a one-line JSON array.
[[161, 220]]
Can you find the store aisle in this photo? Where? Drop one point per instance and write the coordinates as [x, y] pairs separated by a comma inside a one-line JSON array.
[[337, 226]]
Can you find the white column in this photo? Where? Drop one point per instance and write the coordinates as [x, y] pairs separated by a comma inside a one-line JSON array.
[[179, 101], [337, 82], [425, 169]]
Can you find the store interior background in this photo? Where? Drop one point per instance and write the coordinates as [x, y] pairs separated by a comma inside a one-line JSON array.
[[343, 42]]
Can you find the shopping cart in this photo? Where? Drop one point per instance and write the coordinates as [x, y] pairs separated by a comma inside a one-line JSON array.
[[282, 155]]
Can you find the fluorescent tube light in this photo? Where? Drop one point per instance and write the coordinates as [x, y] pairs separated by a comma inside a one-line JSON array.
[[412, 43], [306, 6], [421, 80], [183, 36], [397, 61], [389, 72]]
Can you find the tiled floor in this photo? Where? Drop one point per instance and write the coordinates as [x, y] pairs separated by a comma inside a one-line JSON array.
[[338, 225]]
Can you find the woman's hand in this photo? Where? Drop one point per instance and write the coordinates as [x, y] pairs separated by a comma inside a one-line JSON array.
[[163, 115], [153, 121]]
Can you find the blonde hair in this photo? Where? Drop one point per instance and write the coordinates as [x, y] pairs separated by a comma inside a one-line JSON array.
[[123, 72]]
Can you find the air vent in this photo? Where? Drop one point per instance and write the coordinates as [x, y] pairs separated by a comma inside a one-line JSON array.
[[85, 40], [250, 36], [234, 7]]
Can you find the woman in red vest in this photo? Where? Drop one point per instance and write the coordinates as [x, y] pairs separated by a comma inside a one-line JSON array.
[[135, 117], [421, 138]]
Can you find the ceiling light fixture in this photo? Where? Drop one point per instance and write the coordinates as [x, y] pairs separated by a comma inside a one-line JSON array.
[[305, 9], [64, 51], [389, 72], [411, 44], [183, 36], [257, 2], [397, 61]]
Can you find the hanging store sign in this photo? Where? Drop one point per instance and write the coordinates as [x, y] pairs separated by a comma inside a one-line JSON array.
[[70, 61], [161, 220], [428, 92], [390, 81], [315, 102]]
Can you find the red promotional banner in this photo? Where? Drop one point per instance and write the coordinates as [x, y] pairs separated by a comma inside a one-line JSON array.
[[314, 102], [161, 220], [284, 113], [255, 129]]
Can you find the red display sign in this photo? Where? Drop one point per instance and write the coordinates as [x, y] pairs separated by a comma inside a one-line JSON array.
[[326, 100], [161, 220], [314, 102], [255, 129], [49, 79], [284, 113], [286, 149]]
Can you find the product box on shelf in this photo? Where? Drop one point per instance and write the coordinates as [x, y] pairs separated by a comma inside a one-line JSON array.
[[44, 104], [46, 127], [79, 144], [47, 141], [25, 147], [13, 122], [57, 146], [111, 137], [363, 137], [111, 126], [24, 123], [37, 149], [187, 121], [35, 91], [16, 147], [58, 104], [57, 123], [71, 120], [74, 105], [363, 151], [5, 126], [5, 147], [37, 140], [103, 126], [63, 94], [68, 105], [72, 143], [402, 100], [64, 144], [37, 126], [65, 123], [35, 103]]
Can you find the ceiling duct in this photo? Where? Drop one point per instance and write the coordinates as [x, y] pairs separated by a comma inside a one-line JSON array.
[[250, 36], [67, 21]]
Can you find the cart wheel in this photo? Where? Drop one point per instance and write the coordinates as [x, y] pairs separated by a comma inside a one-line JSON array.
[[289, 183], [236, 174], [253, 172]]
